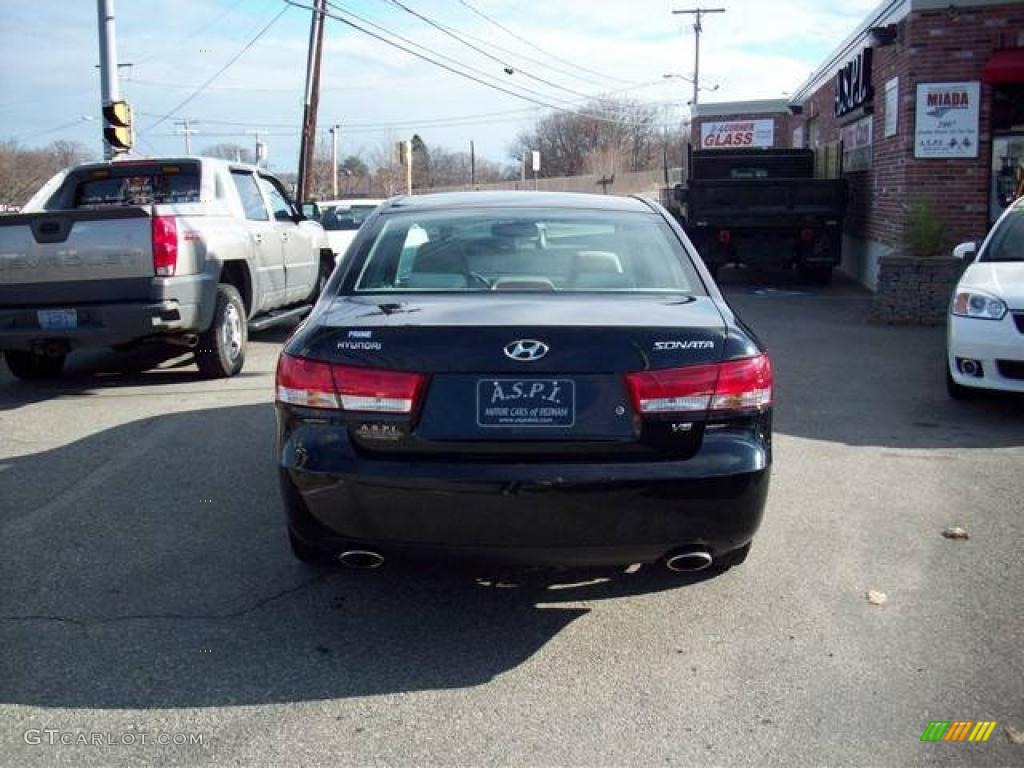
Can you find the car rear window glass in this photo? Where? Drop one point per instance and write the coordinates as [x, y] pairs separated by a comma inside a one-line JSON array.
[[347, 217], [526, 250], [1008, 240], [138, 188]]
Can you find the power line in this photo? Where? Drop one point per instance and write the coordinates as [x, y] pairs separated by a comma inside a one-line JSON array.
[[533, 100], [64, 127], [482, 117], [220, 71], [533, 45], [538, 62], [192, 35], [508, 68], [538, 94], [437, 54]]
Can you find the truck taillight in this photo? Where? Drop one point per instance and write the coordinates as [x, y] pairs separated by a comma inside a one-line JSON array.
[[314, 384], [735, 385], [165, 245]]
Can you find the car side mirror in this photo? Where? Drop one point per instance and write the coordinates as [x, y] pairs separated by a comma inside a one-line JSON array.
[[966, 251]]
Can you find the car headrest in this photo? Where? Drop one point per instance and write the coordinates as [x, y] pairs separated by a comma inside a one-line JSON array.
[[441, 256], [598, 261]]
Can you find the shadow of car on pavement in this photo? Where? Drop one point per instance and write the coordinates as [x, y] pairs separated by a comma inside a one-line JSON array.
[[161, 577]]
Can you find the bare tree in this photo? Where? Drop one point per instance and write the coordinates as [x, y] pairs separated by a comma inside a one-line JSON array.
[[23, 170], [625, 129]]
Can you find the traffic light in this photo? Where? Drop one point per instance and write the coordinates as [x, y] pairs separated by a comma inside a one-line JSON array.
[[117, 128]]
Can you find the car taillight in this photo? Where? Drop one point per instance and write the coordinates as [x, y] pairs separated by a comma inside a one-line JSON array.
[[735, 385], [724, 236], [806, 234], [314, 384], [165, 245], [305, 382]]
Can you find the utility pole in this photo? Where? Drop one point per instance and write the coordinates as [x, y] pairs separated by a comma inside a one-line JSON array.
[[335, 129], [312, 101], [472, 164], [408, 166], [110, 89], [697, 29], [260, 153], [187, 130]]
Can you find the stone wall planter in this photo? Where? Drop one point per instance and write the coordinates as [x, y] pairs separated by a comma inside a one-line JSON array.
[[914, 291]]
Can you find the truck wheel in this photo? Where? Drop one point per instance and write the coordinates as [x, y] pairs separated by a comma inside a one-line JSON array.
[[220, 352], [323, 275], [30, 366]]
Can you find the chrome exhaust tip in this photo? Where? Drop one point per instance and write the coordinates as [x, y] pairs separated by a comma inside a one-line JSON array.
[[688, 561], [362, 559]]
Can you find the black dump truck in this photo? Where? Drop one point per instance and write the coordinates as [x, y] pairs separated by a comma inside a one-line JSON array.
[[762, 208]]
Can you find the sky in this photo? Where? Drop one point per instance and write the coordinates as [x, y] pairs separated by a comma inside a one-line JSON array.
[[49, 83]]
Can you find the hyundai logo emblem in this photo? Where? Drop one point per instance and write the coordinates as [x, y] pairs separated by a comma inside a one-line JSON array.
[[526, 350]]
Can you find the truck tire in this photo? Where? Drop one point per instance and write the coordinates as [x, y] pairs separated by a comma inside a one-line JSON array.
[[323, 275], [31, 366], [220, 352]]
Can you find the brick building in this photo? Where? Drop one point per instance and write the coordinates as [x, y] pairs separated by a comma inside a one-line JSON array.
[[925, 102]]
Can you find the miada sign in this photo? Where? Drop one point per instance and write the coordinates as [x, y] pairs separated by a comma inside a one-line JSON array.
[[738, 133]]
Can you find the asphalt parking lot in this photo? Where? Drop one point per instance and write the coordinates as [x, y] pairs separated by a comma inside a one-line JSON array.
[[147, 587]]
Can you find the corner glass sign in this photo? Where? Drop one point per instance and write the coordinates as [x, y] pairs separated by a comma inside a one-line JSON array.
[[853, 84]]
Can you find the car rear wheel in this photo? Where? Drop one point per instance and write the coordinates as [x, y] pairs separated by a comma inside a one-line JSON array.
[[736, 557], [220, 352], [306, 552], [31, 366]]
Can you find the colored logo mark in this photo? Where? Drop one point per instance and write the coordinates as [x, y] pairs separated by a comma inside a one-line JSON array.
[[958, 730]]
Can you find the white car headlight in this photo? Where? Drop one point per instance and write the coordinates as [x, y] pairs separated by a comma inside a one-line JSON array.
[[980, 305]]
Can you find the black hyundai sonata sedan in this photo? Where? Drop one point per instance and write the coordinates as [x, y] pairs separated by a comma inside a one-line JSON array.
[[532, 378]]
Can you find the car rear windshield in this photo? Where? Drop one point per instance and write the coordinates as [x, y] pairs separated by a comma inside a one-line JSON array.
[[526, 250], [136, 186], [346, 217], [1008, 240]]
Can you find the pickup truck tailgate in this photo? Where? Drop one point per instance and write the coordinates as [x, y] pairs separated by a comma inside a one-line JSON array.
[[89, 255]]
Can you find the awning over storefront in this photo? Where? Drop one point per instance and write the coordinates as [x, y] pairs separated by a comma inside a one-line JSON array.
[[1004, 67]]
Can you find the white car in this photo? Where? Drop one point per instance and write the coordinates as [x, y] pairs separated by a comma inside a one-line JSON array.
[[985, 340], [342, 219]]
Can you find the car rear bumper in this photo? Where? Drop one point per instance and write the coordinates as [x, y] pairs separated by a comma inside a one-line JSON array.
[[174, 305], [548, 514], [996, 344]]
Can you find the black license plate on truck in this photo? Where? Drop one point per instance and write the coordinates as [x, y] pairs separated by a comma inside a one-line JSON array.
[[526, 403]]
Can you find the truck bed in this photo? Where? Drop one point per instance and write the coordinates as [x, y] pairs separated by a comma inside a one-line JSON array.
[[737, 203]]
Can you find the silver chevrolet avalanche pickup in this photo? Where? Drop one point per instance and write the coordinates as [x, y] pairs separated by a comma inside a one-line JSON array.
[[190, 250]]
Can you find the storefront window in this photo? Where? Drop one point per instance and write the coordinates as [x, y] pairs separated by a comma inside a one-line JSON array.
[[1007, 147]]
